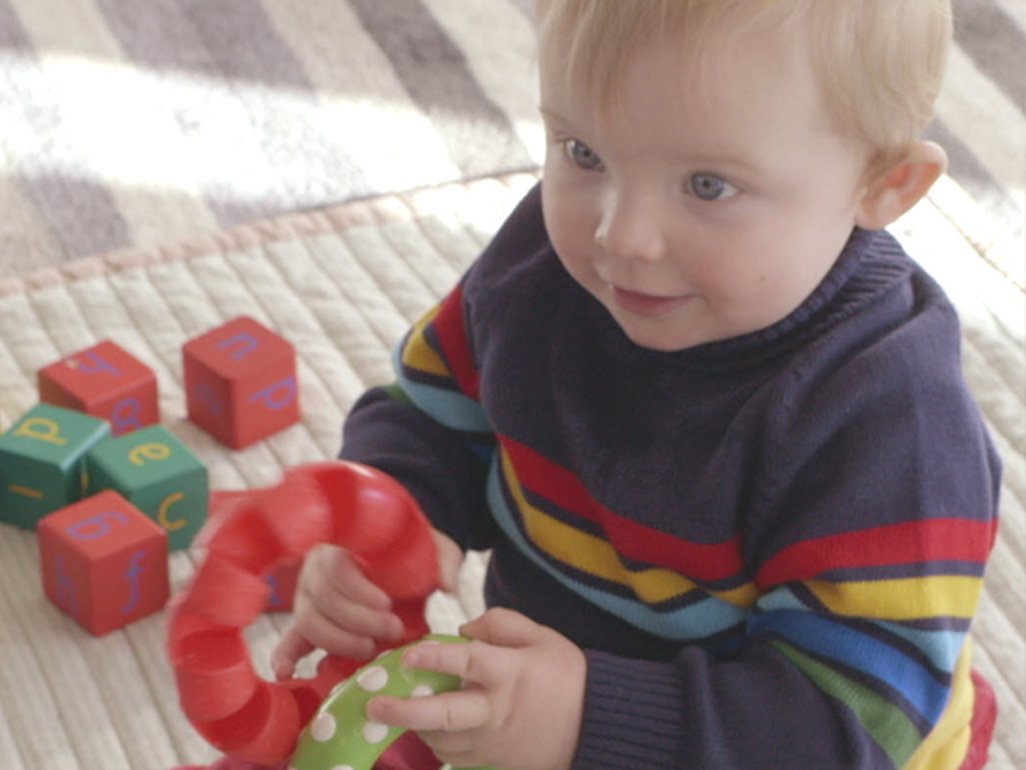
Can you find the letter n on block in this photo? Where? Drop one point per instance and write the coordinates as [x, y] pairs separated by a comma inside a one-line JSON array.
[[240, 382], [104, 562]]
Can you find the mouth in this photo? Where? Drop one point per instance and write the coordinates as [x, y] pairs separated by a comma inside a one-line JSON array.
[[648, 305]]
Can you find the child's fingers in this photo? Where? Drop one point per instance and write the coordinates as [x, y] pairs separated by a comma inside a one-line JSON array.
[[477, 663], [446, 713], [504, 628], [319, 632], [292, 648], [346, 578], [342, 612], [450, 557]]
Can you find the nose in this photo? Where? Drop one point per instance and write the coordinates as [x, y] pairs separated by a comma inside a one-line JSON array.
[[629, 228]]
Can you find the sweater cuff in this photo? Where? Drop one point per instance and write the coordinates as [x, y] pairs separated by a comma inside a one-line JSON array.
[[632, 714]]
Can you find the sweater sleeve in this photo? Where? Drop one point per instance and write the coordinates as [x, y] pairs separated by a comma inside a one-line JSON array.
[[874, 519], [427, 429]]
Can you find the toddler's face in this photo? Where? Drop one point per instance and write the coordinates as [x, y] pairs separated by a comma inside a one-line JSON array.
[[709, 205]]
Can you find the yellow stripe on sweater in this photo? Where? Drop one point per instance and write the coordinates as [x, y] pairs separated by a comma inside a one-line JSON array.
[[418, 354], [946, 746], [953, 596], [597, 557]]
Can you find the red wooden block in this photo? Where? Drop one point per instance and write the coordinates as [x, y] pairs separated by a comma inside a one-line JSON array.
[[240, 382], [104, 562], [282, 581], [104, 381]]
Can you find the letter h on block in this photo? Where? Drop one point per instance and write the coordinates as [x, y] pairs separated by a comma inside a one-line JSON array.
[[240, 382], [104, 562], [104, 381]]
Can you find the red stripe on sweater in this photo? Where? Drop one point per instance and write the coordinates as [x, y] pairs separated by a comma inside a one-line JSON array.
[[452, 336], [913, 542], [698, 561]]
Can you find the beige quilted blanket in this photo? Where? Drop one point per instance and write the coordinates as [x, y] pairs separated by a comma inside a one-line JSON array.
[[342, 284]]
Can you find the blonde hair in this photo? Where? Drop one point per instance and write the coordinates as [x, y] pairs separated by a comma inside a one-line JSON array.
[[881, 62]]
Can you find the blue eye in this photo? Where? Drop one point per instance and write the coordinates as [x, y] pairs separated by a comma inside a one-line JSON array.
[[709, 187], [582, 156]]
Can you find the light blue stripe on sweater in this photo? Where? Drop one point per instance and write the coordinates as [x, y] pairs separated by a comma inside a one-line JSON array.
[[453, 410]]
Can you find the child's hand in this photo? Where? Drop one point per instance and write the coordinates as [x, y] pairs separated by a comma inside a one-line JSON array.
[[521, 703], [337, 609]]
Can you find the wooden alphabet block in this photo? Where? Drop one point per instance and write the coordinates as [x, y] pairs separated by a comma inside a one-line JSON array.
[[240, 382], [42, 462], [104, 381], [159, 475], [103, 562], [282, 581]]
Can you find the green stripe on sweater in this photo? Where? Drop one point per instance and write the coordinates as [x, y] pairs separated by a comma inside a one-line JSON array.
[[889, 726]]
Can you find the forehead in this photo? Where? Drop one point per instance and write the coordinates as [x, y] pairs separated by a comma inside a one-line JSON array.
[[760, 74], [593, 42]]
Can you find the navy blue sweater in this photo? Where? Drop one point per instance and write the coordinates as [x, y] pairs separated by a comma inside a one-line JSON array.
[[770, 547]]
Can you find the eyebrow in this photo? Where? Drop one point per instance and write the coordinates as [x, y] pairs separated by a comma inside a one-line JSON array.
[[552, 116]]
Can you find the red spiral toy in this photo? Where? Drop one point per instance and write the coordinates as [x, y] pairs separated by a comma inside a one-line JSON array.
[[350, 505]]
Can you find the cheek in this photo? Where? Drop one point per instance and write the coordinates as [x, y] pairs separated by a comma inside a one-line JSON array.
[[568, 223]]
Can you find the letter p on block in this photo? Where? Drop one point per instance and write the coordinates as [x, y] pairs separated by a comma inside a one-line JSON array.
[[240, 382]]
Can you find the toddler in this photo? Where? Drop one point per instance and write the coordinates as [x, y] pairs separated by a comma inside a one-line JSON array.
[[706, 414]]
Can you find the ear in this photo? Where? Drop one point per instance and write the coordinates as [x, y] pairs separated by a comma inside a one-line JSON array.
[[894, 189]]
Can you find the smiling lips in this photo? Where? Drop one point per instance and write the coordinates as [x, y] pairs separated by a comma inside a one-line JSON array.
[[647, 305]]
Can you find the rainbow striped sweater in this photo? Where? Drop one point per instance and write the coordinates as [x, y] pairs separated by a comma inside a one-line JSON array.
[[770, 548]]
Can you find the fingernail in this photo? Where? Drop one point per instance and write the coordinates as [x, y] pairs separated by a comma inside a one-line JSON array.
[[374, 711]]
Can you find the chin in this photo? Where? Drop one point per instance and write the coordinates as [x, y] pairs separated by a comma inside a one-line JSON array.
[[662, 343]]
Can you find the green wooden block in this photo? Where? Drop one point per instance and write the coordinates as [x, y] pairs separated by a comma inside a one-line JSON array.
[[42, 462], [159, 475]]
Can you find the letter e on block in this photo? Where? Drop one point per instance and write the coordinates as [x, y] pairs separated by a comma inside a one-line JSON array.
[[104, 562], [158, 474], [240, 382]]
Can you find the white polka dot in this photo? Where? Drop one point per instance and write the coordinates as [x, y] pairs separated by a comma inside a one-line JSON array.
[[422, 691], [375, 732], [342, 767], [372, 679], [323, 728]]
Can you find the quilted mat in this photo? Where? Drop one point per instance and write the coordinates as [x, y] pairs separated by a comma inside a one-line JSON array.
[[343, 284]]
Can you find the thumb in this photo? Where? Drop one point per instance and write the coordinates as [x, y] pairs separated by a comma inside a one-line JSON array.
[[292, 647], [450, 558], [503, 628]]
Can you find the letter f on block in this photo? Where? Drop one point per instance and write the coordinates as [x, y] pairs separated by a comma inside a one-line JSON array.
[[65, 590], [133, 582]]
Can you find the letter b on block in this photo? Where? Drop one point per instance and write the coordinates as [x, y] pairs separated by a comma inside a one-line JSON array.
[[104, 562], [240, 382]]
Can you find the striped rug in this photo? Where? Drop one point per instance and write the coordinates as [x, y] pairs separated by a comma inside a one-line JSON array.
[[134, 123]]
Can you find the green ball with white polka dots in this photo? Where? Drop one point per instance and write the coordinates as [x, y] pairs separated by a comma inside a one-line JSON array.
[[340, 737]]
